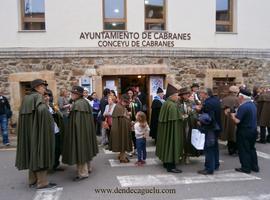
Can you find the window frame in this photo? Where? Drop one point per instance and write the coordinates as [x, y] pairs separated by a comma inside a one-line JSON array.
[[30, 18], [229, 22], [156, 21], [116, 20]]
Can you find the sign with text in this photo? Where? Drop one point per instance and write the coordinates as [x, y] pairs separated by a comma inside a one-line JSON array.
[[121, 39]]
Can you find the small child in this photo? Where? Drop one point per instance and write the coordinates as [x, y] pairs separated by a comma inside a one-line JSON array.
[[141, 131]]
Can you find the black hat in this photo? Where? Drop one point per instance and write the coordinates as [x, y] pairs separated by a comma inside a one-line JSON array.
[[159, 90], [171, 90], [195, 85], [183, 91], [77, 90], [245, 92], [38, 82], [48, 92]]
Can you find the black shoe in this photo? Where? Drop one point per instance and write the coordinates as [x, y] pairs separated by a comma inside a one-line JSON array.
[[58, 169], [205, 172], [256, 169], [49, 186], [174, 170], [242, 170], [77, 178], [262, 141]]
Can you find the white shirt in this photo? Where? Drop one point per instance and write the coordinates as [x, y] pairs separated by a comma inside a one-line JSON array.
[[56, 128], [109, 109], [140, 132]]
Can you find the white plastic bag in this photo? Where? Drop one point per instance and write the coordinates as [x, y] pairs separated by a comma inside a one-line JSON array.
[[197, 139]]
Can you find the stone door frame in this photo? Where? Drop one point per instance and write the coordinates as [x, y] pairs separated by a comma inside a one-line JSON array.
[[15, 88], [219, 73]]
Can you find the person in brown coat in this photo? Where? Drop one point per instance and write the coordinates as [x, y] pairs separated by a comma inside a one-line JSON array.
[[263, 104], [120, 137], [229, 127]]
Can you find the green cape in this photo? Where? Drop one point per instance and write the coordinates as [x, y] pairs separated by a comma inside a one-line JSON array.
[[35, 137], [170, 133], [120, 137], [80, 142]]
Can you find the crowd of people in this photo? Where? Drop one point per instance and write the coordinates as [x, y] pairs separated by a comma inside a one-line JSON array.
[[65, 131]]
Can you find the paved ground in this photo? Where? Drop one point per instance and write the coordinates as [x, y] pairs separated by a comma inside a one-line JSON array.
[[112, 180]]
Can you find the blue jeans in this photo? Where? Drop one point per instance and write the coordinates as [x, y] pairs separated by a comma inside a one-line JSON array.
[[4, 128], [141, 148], [211, 157]]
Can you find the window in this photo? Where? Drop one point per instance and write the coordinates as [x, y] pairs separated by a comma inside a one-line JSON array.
[[33, 14], [224, 15], [114, 14], [154, 14]]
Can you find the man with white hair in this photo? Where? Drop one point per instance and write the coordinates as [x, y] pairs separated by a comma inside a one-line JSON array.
[[246, 120]]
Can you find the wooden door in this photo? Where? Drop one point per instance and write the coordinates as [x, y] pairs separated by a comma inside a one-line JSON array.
[[221, 86]]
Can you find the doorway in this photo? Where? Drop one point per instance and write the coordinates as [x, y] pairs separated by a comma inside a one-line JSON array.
[[221, 86], [146, 83]]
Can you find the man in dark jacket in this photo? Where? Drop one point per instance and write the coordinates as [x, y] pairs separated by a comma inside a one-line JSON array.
[[156, 106], [101, 118], [5, 114], [35, 145], [211, 106]]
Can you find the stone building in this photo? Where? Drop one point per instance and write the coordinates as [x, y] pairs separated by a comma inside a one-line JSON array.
[[120, 43]]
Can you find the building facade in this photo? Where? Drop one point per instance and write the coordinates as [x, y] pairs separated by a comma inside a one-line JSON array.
[[120, 43]]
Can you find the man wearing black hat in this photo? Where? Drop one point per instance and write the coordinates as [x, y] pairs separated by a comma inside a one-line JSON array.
[[170, 132], [189, 116], [80, 143], [246, 120], [120, 137], [35, 148], [156, 106]]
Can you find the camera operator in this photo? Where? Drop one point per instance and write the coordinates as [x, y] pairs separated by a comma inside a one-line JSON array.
[[246, 120]]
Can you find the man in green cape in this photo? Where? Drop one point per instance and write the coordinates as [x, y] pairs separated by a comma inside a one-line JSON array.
[[35, 139], [80, 143], [120, 136], [170, 132], [189, 122]]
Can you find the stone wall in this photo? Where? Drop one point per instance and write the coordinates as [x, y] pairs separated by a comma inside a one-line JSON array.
[[186, 70]]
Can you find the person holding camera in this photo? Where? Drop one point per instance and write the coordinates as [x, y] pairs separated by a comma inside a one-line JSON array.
[[246, 120]]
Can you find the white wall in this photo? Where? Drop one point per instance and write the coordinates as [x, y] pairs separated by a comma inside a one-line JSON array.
[[65, 19]]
